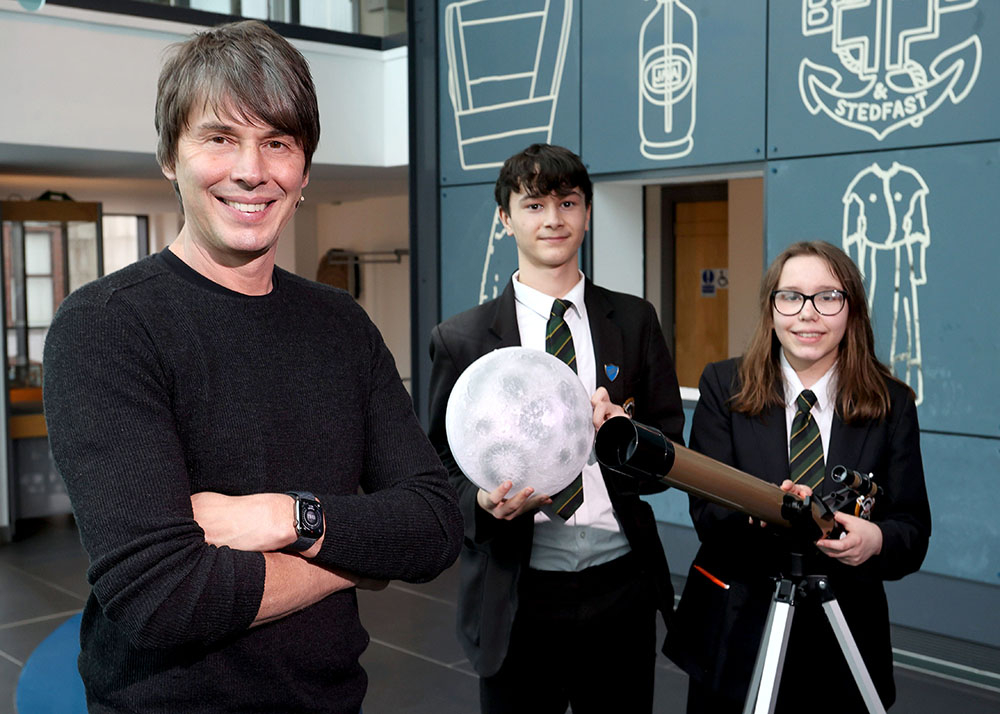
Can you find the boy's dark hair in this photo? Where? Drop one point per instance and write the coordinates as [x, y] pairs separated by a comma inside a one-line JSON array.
[[539, 170], [244, 68]]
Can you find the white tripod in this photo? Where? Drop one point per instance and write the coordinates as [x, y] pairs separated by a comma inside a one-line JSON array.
[[763, 692]]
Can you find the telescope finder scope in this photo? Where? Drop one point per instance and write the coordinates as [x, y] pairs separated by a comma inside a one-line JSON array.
[[861, 484]]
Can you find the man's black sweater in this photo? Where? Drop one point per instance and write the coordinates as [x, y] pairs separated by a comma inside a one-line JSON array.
[[159, 384]]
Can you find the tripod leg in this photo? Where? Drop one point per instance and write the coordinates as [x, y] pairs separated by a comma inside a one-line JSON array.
[[853, 657], [763, 693]]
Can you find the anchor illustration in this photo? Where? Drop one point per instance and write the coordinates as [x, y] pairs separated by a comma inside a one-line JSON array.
[[883, 87]]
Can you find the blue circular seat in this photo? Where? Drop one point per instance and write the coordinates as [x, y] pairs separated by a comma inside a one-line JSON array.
[[50, 681]]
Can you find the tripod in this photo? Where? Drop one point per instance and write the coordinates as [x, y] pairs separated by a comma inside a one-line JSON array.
[[798, 587]]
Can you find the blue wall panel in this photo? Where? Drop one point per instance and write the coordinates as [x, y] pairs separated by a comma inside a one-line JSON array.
[[904, 164], [962, 486], [858, 77], [932, 210], [672, 83], [477, 256], [509, 73]]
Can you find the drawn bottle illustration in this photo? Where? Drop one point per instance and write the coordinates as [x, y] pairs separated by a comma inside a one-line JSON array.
[[668, 55]]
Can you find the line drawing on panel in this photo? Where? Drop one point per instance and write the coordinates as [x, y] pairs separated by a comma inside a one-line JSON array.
[[883, 87], [886, 232], [490, 288], [668, 74], [494, 100]]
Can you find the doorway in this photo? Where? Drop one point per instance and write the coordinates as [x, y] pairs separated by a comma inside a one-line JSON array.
[[705, 250]]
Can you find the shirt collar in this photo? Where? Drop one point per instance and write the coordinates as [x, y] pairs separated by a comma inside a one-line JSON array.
[[825, 387], [540, 303]]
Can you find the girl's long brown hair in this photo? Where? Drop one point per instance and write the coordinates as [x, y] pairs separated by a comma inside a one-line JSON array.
[[861, 388]]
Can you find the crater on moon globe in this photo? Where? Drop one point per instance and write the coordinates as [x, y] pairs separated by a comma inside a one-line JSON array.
[[521, 415]]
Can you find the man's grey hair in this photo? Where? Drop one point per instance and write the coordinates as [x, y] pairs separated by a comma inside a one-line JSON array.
[[243, 70]]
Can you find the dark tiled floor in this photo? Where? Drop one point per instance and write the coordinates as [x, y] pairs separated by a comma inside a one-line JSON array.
[[42, 583], [414, 663]]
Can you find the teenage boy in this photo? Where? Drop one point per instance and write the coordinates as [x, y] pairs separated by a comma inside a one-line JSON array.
[[558, 606]]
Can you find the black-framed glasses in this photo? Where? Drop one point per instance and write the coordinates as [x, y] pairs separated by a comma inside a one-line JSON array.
[[825, 302]]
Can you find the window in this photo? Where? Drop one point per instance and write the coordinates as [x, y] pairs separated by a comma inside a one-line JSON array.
[[126, 240]]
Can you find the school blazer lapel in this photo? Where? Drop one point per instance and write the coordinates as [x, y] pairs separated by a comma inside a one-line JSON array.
[[846, 444], [609, 344], [771, 443], [504, 330]]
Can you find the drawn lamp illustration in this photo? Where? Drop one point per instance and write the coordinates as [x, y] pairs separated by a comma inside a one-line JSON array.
[[505, 65]]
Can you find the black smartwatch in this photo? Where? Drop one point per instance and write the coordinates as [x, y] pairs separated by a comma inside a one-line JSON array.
[[308, 520]]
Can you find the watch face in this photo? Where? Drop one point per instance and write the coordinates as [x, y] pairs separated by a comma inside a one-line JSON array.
[[310, 519]]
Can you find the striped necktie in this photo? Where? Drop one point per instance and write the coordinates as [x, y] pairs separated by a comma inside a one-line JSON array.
[[805, 453], [559, 342]]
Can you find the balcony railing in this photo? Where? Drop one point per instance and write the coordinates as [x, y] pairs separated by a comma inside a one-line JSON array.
[[378, 24]]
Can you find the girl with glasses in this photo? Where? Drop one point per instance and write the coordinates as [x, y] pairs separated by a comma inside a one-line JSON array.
[[809, 394]]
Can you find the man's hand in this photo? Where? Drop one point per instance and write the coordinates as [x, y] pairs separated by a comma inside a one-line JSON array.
[[292, 584], [604, 408], [261, 522], [499, 506], [860, 541]]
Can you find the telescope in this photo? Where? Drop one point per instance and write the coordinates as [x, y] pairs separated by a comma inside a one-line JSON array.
[[644, 453]]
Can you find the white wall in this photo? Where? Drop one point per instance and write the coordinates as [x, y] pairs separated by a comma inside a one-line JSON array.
[[87, 80], [395, 115], [617, 223], [363, 104], [375, 224]]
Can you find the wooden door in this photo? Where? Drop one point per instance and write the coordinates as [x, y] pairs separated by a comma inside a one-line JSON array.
[[701, 297]]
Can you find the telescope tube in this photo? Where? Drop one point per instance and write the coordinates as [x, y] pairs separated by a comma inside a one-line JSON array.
[[642, 452]]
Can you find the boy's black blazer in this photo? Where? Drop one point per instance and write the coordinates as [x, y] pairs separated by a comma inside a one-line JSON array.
[[627, 335]]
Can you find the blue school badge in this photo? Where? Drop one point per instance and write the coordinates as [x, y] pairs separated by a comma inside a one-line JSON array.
[[611, 370]]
